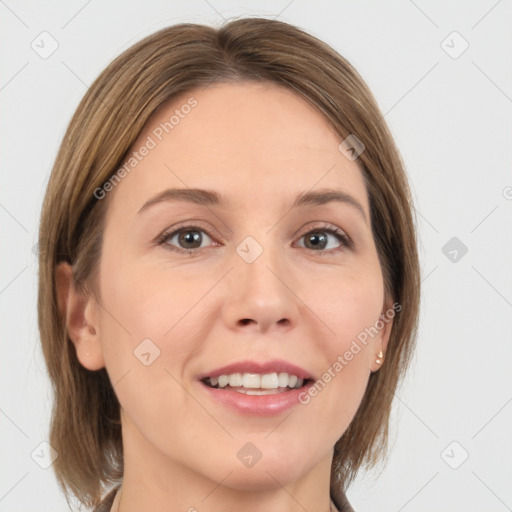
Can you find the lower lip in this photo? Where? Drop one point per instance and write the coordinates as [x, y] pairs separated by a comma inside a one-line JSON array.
[[257, 405]]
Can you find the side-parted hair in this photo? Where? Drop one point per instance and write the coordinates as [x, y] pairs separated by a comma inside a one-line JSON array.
[[85, 424]]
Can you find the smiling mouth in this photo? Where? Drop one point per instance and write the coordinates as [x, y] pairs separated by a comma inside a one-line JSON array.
[[256, 384]]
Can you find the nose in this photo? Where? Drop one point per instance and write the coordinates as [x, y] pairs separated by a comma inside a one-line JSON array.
[[260, 295]]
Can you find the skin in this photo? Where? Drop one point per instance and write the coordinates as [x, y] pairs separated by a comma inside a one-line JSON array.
[[259, 145]]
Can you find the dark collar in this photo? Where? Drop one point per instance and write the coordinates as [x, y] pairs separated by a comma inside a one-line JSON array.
[[340, 500], [107, 502], [337, 496]]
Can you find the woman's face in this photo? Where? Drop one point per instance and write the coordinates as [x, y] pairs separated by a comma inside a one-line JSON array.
[[188, 284]]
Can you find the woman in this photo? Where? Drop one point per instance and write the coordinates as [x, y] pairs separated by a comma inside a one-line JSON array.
[[229, 280]]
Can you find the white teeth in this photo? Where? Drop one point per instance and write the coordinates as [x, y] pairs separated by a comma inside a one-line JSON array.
[[223, 381], [259, 391], [235, 380], [270, 381], [251, 380], [256, 381]]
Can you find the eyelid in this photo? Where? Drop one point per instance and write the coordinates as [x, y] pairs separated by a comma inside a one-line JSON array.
[[346, 242], [188, 224]]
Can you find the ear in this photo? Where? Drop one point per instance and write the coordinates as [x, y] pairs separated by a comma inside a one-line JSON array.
[[81, 316], [380, 342]]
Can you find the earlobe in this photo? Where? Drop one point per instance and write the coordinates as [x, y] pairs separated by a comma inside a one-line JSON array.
[[377, 361], [379, 347], [79, 312]]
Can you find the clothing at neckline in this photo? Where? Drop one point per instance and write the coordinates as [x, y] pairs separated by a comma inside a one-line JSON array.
[[338, 499]]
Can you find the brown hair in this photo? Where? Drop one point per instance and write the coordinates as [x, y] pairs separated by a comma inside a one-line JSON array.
[[85, 424]]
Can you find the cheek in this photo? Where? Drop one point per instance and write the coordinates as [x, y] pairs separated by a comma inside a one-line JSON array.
[[349, 304], [150, 329], [349, 307], [146, 344], [141, 304]]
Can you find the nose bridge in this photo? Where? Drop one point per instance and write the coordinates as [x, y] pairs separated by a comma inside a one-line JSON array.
[[260, 291]]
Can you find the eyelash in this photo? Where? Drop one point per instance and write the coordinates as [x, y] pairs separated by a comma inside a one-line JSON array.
[[346, 242]]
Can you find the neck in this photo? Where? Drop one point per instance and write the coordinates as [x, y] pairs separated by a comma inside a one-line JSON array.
[[154, 482]]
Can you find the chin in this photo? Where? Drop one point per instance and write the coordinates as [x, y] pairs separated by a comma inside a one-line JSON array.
[[261, 477], [275, 467]]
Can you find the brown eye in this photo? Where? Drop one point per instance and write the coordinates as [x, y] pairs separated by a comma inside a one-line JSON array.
[[315, 240], [326, 240], [188, 238]]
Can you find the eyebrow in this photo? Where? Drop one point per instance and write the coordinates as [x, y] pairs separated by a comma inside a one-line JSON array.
[[212, 198]]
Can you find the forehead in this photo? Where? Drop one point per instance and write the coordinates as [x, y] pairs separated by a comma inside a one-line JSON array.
[[253, 142]]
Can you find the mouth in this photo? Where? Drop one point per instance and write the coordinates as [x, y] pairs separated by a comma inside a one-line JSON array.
[[257, 388], [256, 383]]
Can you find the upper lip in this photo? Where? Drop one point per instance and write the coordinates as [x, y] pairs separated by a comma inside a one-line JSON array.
[[273, 366]]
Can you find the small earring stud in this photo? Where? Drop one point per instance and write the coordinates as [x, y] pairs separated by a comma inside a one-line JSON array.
[[380, 355]]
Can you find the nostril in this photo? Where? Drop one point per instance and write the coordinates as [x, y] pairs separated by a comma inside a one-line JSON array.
[[245, 321]]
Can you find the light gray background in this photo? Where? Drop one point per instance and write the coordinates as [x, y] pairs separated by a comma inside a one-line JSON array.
[[451, 118]]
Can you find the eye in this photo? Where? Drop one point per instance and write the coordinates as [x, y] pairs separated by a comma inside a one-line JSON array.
[[326, 237], [325, 240], [185, 239]]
